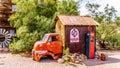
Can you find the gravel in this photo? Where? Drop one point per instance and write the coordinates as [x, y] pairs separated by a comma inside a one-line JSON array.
[[8, 60]]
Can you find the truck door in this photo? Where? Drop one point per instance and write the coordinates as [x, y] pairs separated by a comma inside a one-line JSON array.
[[54, 45]]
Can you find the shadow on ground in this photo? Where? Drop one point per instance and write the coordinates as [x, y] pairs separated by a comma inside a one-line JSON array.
[[47, 59], [94, 62], [89, 62]]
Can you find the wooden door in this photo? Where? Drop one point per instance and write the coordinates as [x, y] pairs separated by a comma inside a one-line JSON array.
[[76, 47], [73, 43]]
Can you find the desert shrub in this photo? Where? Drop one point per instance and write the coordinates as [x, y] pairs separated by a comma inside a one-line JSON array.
[[107, 35]]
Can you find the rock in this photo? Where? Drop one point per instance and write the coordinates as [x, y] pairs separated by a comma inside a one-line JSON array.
[[72, 60], [83, 57], [80, 62], [97, 55], [1, 50], [6, 49], [77, 62], [60, 60]]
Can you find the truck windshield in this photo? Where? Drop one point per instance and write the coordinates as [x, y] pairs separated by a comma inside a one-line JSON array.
[[45, 38]]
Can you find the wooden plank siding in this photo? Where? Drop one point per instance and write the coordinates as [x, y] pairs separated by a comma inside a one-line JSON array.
[[64, 26], [6, 31], [61, 30], [78, 47]]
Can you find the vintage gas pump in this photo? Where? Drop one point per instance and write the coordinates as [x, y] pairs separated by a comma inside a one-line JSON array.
[[90, 43]]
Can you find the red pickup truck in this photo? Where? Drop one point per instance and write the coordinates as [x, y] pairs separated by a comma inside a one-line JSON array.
[[50, 45]]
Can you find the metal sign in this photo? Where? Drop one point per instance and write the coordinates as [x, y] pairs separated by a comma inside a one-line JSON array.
[[74, 35]]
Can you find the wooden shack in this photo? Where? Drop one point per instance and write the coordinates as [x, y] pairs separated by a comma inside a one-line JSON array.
[[66, 25], [6, 31]]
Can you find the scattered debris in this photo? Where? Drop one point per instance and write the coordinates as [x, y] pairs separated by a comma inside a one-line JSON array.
[[97, 55], [79, 58], [60, 60], [1, 50], [72, 58], [101, 56], [67, 58], [5, 49]]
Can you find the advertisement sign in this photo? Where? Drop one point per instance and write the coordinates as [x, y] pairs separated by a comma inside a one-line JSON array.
[[74, 35]]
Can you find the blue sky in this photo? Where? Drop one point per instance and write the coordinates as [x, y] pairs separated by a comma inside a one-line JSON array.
[[102, 3]]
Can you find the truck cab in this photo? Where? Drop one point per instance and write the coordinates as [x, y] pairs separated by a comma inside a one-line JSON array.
[[49, 45]]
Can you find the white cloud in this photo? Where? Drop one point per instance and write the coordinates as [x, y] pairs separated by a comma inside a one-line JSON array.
[[114, 3]]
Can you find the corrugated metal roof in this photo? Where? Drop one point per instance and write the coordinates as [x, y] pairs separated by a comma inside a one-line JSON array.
[[76, 20]]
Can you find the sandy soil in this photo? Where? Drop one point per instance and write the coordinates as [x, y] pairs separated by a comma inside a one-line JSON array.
[[8, 60]]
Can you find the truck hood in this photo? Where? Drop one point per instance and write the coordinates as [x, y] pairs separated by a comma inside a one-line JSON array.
[[39, 42]]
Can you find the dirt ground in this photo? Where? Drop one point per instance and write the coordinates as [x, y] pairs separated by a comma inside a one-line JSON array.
[[7, 60]]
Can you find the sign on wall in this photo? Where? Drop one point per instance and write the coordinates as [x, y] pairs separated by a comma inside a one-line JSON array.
[[74, 35]]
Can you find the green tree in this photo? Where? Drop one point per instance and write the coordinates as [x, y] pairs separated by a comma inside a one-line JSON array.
[[117, 21], [106, 16], [68, 7], [106, 32], [32, 20], [110, 13], [94, 12], [93, 9]]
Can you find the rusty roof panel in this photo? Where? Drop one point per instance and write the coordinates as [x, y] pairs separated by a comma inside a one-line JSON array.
[[76, 20]]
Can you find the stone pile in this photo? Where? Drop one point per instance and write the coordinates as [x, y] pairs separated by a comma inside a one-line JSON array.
[[74, 58]]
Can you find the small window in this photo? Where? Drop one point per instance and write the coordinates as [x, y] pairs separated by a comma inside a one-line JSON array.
[[45, 38], [14, 8], [53, 38]]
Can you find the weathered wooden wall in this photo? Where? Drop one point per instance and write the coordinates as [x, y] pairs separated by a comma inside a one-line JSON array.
[[5, 12], [6, 31], [64, 31], [61, 30], [73, 30]]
